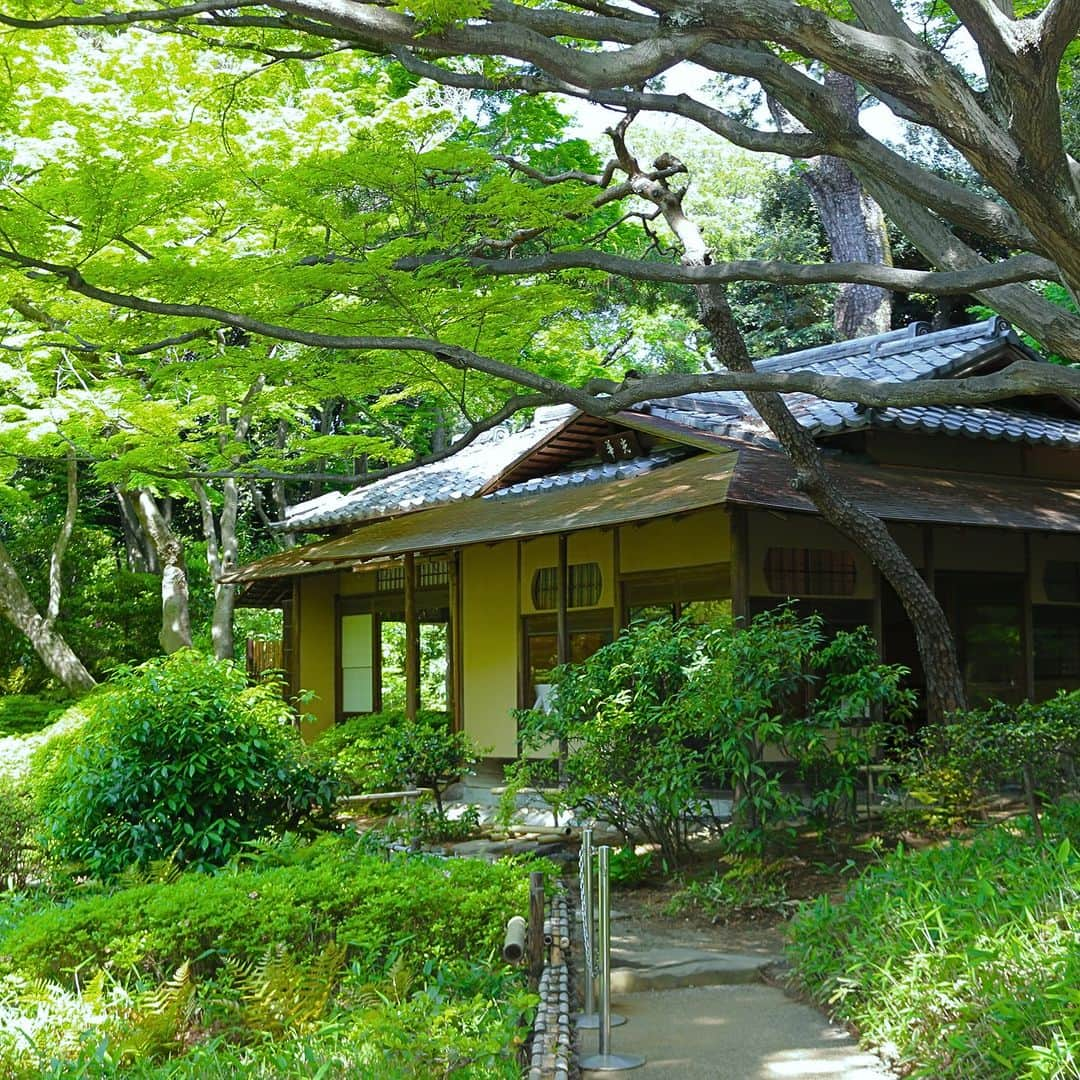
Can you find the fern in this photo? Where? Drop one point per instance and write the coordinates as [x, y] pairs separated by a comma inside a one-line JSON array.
[[394, 990], [160, 1017], [277, 994], [156, 872]]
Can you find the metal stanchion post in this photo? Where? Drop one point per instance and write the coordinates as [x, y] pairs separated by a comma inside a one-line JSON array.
[[605, 1060], [589, 1018]]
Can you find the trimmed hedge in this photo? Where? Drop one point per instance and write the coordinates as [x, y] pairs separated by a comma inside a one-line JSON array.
[[418, 908]]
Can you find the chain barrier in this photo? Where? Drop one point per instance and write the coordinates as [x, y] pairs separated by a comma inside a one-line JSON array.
[[586, 914]]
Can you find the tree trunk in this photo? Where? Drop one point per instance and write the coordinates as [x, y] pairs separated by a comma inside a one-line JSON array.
[[855, 227], [937, 650], [175, 609], [221, 554], [55, 653], [141, 557]]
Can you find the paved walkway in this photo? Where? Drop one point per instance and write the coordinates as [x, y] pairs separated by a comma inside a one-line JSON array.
[[695, 1012]]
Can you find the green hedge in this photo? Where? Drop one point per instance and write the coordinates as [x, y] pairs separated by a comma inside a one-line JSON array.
[[421, 909], [961, 961]]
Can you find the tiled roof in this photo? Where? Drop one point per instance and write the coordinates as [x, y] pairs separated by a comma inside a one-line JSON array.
[[899, 356], [1012, 425], [459, 476], [591, 474]]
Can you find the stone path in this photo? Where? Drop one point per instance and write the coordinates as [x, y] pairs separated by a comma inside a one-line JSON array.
[[696, 1012]]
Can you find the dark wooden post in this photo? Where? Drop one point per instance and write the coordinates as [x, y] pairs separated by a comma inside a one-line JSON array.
[[453, 643], [619, 614], [562, 630], [740, 566], [562, 584], [412, 641], [536, 927], [1027, 631]]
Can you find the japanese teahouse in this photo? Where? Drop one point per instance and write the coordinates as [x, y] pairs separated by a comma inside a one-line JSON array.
[[535, 547]]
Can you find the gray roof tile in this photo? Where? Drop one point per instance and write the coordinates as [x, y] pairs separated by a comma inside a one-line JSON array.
[[460, 476], [591, 474], [899, 356]]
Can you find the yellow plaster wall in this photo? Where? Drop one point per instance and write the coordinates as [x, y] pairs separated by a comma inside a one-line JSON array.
[[591, 545], [489, 643], [316, 646], [768, 530], [689, 540], [357, 584]]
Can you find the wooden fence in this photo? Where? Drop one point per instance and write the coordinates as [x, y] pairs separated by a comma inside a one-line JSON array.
[[263, 656]]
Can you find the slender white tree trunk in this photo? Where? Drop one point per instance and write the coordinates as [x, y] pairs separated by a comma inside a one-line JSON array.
[[175, 608]]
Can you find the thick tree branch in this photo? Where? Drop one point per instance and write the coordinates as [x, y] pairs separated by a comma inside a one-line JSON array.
[[1056, 27], [1050, 378], [935, 282], [123, 18]]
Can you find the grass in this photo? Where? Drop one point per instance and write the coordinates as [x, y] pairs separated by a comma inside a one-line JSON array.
[[22, 714], [959, 961]]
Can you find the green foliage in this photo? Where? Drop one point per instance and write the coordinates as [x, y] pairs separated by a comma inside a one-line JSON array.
[[178, 758], [352, 748], [627, 867], [22, 714], [376, 751], [666, 708], [277, 994], [421, 823], [751, 884], [21, 857], [266, 991], [427, 753], [301, 899], [1034, 746], [960, 960], [623, 713], [756, 686]]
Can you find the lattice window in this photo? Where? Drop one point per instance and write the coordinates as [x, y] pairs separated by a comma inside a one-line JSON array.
[[428, 575], [809, 572], [584, 583]]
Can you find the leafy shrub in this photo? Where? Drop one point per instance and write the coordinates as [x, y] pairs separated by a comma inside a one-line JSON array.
[[427, 753], [632, 737], [423, 824], [627, 867], [264, 994], [355, 747], [960, 959], [409, 906], [666, 707], [1035, 746], [180, 758]]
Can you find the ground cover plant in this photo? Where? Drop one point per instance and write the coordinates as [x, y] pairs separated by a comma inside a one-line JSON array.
[[959, 960], [322, 959]]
